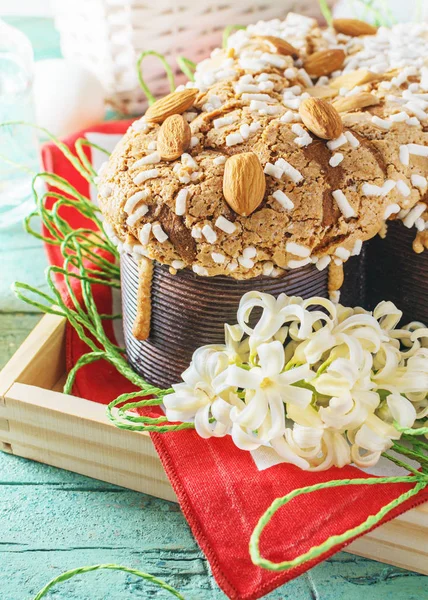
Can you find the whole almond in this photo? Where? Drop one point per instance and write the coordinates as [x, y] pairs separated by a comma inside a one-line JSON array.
[[174, 137], [353, 78], [324, 62], [281, 46], [321, 118], [356, 102], [353, 27], [172, 104], [244, 183]]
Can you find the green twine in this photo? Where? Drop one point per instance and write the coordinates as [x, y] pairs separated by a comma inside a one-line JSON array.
[[326, 12], [79, 145], [149, 424], [187, 66], [316, 551], [81, 570], [407, 431], [50, 308], [63, 147], [227, 32], [170, 75]]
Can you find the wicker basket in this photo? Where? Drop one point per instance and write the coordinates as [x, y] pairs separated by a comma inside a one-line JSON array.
[[108, 35]]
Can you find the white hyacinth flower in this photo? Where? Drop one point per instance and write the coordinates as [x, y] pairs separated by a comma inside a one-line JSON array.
[[321, 384], [270, 387], [202, 384]]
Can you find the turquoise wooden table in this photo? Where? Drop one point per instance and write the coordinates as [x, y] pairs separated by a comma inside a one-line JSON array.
[[52, 520]]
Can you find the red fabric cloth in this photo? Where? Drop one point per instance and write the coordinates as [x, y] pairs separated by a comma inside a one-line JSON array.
[[221, 491]]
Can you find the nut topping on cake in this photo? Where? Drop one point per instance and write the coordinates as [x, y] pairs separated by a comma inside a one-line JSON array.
[[175, 103], [340, 133], [244, 183], [353, 78], [174, 137], [322, 91], [324, 62], [354, 27], [321, 118], [281, 46], [355, 102]]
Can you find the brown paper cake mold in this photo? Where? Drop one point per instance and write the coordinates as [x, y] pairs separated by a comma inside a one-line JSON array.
[[398, 273]]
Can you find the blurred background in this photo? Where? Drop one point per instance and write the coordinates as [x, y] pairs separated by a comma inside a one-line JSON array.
[[106, 36], [67, 65]]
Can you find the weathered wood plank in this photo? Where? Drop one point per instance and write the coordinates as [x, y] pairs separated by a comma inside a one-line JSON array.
[[14, 328], [22, 259]]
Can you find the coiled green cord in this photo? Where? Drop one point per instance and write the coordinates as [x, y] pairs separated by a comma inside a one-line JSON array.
[[81, 570]]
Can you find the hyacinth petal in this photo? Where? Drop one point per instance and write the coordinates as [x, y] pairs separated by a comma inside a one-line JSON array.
[[402, 410], [241, 378], [330, 307], [271, 358], [243, 440], [369, 440], [308, 452], [186, 398], [296, 374], [342, 450], [268, 323], [284, 450], [307, 417], [204, 428], [177, 416], [356, 352], [254, 413], [233, 333], [220, 410], [277, 415], [321, 341], [293, 395], [307, 437], [331, 385], [369, 459], [387, 314]]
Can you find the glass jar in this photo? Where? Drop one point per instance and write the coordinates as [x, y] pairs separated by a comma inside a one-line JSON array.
[[19, 159]]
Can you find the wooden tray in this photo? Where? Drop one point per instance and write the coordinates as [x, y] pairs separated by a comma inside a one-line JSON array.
[[39, 422]]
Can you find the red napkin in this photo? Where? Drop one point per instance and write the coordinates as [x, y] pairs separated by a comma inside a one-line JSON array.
[[221, 491]]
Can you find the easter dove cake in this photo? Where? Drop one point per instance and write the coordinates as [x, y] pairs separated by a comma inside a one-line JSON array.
[[293, 146]]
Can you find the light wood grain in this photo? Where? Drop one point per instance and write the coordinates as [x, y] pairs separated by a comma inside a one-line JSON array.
[[75, 434], [41, 358], [397, 552]]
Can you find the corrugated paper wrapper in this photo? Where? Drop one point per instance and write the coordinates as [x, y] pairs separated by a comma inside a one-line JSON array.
[[395, 272], [189, 311]]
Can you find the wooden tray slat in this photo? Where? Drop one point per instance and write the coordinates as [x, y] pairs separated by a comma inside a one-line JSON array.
[[39, 422], [40, 360]]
